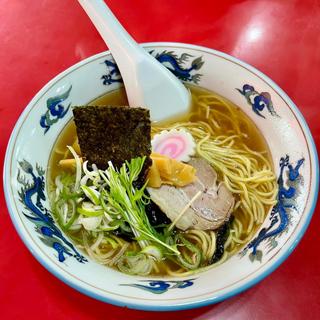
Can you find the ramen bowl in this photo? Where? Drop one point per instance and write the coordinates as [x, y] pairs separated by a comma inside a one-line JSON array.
[[293, 155]]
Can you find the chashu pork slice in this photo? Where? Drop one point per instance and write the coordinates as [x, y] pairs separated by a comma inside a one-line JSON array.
[[209, 211]]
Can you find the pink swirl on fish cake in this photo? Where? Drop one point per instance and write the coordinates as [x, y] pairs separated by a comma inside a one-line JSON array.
[[172, 147]]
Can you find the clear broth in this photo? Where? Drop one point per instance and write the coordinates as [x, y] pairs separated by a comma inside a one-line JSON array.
[[254, 140], [118, 97]]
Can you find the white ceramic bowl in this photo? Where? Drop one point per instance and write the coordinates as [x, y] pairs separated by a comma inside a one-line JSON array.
[[293, 153]]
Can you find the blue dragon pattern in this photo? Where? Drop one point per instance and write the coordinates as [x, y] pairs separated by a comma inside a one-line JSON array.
[[113, 74], [31, 196], [160, 286], [169, 59], [288, 182], [258, 101], [55, 110]]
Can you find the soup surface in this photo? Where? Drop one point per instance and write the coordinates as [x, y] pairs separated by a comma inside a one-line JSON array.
[[229, 140]]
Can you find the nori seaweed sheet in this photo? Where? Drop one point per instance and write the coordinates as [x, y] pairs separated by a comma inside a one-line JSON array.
[[112, 133]]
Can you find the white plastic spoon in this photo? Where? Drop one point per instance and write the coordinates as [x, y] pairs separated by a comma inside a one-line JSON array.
[[147, 82]]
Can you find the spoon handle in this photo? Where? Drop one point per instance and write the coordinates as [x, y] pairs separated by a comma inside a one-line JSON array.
[[114, 35]]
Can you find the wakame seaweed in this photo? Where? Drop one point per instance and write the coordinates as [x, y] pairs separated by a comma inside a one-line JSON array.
[[125, 234], [112, 133], [155, 216], [222, 235]]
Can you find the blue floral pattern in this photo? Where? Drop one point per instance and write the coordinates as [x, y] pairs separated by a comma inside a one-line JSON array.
[[55, 110], [289, 181], [160, 286], [258, 101], [178, 65], [31, 195]]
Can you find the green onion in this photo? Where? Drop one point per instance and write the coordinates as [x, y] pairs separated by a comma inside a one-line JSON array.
[[134, 263], [114, 244], [109, 228], [73, 216], [92, 194], [90, 213], [153, 251], [78, 168], [190, 260], [66, 219]]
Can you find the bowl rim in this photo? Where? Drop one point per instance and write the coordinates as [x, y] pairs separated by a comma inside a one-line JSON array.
[[179, 306]]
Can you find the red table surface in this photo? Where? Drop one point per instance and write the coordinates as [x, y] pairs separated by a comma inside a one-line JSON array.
[[41, 38]]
